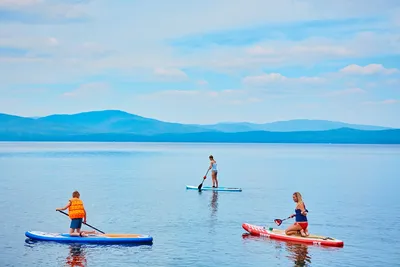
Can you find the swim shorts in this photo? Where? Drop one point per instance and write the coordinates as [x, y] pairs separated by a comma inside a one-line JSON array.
[[76, 223], [303, 225]]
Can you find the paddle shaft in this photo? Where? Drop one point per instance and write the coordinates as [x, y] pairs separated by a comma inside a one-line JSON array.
[[85, 223], [201, 185], [205, 175]]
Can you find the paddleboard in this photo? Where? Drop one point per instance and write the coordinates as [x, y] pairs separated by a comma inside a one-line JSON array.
[[280, 235], [210, 188], [94, 238]]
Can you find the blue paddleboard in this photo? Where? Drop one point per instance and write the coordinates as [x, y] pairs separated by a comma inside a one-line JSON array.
[[93, 239], [210, 188]]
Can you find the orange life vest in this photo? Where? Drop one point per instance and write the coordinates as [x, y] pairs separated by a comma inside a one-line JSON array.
[[76, 210]]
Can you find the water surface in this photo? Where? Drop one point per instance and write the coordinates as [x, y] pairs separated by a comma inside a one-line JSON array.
[[350, 190]]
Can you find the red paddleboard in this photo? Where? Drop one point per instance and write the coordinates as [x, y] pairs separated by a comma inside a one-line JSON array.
[[280, 235]]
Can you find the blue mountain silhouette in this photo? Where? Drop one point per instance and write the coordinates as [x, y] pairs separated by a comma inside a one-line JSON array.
[[116, 125]]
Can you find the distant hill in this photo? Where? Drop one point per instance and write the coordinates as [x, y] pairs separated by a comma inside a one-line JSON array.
[[108, 121], [117, 125], [289, 126]]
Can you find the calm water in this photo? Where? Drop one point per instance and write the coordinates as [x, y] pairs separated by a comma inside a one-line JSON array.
[[350, 191]]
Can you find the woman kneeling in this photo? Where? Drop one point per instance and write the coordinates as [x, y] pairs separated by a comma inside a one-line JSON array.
[[301, 224]]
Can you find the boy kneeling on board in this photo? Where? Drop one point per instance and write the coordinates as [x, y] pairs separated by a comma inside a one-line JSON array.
[[76, 212]]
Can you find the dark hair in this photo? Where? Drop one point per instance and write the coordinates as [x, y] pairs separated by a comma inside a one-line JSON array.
[[75, 194], [211, 157]]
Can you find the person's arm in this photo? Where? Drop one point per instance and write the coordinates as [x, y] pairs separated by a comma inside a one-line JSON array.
[[84, 216], [66, 207], [303, 210], [209, 168]]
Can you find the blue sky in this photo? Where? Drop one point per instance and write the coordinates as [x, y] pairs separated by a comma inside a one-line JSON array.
[[203, 61]]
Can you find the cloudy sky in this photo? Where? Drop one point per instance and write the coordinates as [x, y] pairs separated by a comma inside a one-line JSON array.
[[203, 61]]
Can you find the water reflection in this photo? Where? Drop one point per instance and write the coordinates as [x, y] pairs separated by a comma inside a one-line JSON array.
[[295, 251], [29, 242], [214, 203], [76, 257], [299, 254]]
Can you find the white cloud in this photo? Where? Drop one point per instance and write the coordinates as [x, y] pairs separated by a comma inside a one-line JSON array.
[[170, 73], [301, 49], [368, 69], [383, 102], [202, 82], [330, 50], [282, 53], [19, 60], [313, 50], [44, 11], [208, 93], [349, 91], [60, 49], [267, 78], [53, 41], [174, 93], [393, 82], [309, 79], [394, 15], [259, 50], [179, 19], [34, 43], [391, 101], [16, 4], [245, 101], [88, 90], [225, 97]]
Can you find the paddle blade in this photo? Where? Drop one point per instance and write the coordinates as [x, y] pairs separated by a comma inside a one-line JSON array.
[[278, 221], [201, 185]]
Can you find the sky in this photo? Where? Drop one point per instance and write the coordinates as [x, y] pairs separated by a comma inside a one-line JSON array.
[[203, 61]]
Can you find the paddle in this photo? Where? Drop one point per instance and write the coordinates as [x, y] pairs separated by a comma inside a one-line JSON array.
[[84, 223], [204, 178], [279, 221]]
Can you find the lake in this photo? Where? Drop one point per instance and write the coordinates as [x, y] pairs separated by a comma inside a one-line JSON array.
[[351, 192]]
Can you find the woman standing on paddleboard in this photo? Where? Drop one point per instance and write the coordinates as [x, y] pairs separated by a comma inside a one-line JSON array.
[[301, 223], [214, 171]]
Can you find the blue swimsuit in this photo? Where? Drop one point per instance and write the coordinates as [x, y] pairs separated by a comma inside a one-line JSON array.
[[300, 217], [214, 167]]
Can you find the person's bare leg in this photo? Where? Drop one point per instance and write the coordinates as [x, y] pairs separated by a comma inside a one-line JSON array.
[[73, 233], [293, 229], [89, 232], [213, 179], [302, 233], [306, 233]]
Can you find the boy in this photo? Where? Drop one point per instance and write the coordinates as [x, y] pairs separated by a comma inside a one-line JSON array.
[[76, 213]]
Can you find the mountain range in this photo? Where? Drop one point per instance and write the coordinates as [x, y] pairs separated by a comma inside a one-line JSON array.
[[116, 125]]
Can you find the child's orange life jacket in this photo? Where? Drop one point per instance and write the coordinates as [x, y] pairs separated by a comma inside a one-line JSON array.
[[76, 209]]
